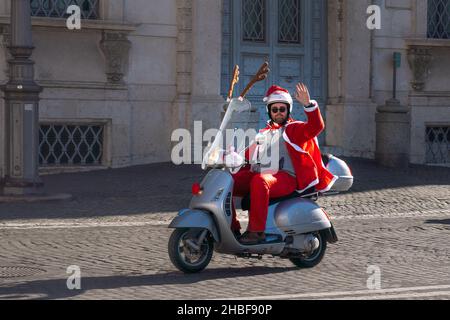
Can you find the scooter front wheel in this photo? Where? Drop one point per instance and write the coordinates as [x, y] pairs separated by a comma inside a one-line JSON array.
[[314, 258], [186, 254]]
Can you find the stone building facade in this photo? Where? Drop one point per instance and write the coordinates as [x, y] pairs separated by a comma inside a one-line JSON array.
[[114, 90], [360, 75]]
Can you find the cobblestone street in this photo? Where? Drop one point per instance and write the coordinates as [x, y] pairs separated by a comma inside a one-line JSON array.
[[115, 230]]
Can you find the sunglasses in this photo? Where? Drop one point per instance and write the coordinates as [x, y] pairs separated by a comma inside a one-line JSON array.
[[275, 109]]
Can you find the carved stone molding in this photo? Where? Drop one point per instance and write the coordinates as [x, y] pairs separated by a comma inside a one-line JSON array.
[[340, 10], [419, 59], [5, 36], [115, 47], [5, 42]]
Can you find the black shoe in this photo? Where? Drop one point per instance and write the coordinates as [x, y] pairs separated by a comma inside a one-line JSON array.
[[252, 238]]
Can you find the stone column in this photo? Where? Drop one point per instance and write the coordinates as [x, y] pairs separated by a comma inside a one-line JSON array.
[[350, 112], [21, 108]]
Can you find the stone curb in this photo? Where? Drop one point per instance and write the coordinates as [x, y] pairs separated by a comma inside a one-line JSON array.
[[36, 198]]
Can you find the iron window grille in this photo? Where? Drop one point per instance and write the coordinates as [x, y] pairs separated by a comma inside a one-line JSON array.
[[70, 144], [254, 20], [289, 13], [439, 19], [438, 145], [57, 8]]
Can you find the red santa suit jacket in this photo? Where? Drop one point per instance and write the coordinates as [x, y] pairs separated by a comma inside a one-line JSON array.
[[303, 148]]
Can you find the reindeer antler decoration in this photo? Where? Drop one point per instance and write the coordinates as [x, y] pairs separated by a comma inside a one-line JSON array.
[[260, 75], [234, 81]]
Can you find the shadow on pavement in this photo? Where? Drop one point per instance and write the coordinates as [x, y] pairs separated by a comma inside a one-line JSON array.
[[444, 221], [371, 176], [164, 187], [57, 289]]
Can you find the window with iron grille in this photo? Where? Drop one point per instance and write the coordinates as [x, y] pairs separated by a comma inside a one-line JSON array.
[[438, 145], [289, 13], [57, 8], [70, 144], [439, 19], [254, 20]]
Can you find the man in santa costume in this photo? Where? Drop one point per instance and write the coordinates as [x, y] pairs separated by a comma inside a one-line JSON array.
[[299, 166]]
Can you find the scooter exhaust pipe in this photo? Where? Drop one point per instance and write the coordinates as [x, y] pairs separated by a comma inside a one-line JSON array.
[[311, 243]]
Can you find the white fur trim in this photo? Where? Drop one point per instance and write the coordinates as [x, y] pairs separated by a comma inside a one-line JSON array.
[[279, 96], [293, 145], [330, 185], [316, 106], [312, 184]]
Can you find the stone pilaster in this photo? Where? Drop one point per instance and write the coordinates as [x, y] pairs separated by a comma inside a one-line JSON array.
[[206, 63], [184, 65], [350, 112], [5, 40]]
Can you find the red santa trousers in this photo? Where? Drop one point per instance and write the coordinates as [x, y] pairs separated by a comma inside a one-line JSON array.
[[261, 187]]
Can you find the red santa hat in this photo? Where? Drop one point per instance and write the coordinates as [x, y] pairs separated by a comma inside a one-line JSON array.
[[278, 94]]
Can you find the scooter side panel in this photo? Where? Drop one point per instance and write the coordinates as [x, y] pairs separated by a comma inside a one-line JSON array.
[[216, 186], [299, 216], [195, 219], [271, 224]]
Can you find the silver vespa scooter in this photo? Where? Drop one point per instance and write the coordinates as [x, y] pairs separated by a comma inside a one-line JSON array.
[[296, 229]]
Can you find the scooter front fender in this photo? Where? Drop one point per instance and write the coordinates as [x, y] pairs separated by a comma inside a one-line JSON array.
[[191, 218]]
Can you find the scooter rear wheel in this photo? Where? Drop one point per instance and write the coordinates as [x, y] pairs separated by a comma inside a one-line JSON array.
[[314, 258], [184, 257]]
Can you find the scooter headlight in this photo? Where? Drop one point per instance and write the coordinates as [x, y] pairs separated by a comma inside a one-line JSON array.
[[213, 156]]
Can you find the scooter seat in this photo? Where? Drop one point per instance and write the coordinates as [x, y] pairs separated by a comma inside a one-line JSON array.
[[309, 193]]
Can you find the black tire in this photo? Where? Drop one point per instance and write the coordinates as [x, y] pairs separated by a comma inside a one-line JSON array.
[[314, 258], [178, 258]]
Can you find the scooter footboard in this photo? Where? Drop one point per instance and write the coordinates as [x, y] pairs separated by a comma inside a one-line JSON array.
[[189, 218]]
